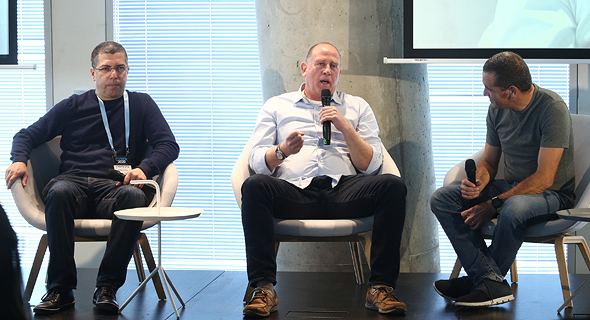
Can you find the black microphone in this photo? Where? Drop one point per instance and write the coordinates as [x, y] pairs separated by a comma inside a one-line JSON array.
[[326, 98], [470, 171], [118, 176]]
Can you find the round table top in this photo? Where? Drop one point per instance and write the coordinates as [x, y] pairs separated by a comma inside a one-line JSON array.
[[581, 214], [151, 213]]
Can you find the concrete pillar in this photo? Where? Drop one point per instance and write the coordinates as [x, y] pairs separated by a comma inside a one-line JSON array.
[[364, 32]]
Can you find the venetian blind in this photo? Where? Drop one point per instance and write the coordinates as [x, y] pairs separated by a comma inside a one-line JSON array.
[[22, 102], [199, 61]]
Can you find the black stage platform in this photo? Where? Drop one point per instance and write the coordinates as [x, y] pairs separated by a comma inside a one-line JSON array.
[[218, 295]]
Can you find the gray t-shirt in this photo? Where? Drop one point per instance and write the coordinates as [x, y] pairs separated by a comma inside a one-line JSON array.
[[546, 122]]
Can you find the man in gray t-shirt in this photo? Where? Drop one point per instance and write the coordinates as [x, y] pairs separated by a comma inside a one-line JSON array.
[[532, 128]]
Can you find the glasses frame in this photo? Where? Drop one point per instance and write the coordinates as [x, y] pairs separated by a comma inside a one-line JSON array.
[[119, 70]]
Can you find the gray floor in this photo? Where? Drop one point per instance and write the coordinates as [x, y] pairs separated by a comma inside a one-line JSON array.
[[218, 295]]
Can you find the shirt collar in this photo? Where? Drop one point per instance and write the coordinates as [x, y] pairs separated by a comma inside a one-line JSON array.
[[337, 97]]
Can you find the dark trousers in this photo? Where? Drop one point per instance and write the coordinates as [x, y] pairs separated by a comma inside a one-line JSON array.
[[355, 196], [69, 197]]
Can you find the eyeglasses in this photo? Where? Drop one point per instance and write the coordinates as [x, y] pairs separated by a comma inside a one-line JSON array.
[[108, 69]]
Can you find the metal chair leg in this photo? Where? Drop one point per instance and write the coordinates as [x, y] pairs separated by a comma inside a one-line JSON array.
[[35, 268]]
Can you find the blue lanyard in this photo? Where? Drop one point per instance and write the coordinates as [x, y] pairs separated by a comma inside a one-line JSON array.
[[105, 121]]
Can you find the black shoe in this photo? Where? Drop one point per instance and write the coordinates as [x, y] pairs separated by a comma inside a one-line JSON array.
[[453, 288], [105, 299], [55, 300], [486, 293]]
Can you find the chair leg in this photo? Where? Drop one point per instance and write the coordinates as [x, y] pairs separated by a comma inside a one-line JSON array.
[[513, 272], [585, 252], [357, 262], [456, 269], [562, 266], [561, 262], [366, 242], [149, 260], [35, 268], [138, 263]]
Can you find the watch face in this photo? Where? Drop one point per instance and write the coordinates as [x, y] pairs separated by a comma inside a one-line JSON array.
[[496, 203], [280, 155]]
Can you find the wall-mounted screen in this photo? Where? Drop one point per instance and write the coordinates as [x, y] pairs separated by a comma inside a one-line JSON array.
[[477, 29], [8, 54]]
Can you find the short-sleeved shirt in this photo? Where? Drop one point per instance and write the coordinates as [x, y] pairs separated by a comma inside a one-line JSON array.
[[546, 122]]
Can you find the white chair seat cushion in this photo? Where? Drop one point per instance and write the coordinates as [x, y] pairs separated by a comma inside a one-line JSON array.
[[323, 228], [542, 229]]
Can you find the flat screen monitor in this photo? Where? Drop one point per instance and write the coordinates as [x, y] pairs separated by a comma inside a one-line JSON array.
[[477, 29], [8, 54]]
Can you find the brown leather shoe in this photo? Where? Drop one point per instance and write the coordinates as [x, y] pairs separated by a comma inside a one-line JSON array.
[[382, 299], [262, 303]]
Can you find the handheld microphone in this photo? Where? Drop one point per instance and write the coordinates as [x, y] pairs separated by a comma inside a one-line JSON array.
[[326, 98], [118, 176], [470, 171]]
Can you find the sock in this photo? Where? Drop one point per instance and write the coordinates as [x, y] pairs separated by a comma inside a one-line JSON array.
[[265, 284]]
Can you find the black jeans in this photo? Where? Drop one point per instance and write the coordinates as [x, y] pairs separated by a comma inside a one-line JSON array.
[[355, 196], [69, 197]]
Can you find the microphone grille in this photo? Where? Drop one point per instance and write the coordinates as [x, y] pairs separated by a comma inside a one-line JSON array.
[[470, 165]]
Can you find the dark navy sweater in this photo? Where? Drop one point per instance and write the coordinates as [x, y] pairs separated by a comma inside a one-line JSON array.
[[84, 143]]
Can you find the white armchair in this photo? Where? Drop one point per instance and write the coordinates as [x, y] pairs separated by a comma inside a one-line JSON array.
[[43, 166]]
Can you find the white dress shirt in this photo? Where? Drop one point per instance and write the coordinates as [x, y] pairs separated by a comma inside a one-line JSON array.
[[292, 111]]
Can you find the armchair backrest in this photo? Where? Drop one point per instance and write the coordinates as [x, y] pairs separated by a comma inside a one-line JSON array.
[[242, 171]]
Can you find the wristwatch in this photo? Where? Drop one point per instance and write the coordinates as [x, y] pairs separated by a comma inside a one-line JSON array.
[[280, 155], [497, 203]]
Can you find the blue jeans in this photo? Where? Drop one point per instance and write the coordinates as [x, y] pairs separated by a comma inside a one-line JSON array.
[[69, 197], [518, 212]]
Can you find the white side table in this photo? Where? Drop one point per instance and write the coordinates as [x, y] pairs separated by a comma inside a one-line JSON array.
[[157, 214]]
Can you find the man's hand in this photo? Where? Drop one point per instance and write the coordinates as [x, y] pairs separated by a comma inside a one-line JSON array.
[[477, 216], [135, 174], [15, 171], [332, 114], [469, 190], [293, 143]]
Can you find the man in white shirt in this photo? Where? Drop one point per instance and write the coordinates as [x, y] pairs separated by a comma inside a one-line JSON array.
[[298, 177]]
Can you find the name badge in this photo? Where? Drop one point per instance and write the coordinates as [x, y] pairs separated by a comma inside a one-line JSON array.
[[122, 165]]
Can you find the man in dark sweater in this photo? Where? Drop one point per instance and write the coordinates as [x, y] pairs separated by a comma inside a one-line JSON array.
[[101, 129]]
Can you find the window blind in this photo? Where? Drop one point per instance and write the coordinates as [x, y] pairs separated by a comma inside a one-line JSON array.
[[458, 112], [199, 61], [22, 101]]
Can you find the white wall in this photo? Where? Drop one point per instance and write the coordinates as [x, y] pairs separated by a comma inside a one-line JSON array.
[[72, 29]]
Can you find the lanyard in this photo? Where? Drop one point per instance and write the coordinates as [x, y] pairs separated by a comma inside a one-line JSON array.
[[105, 121]]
